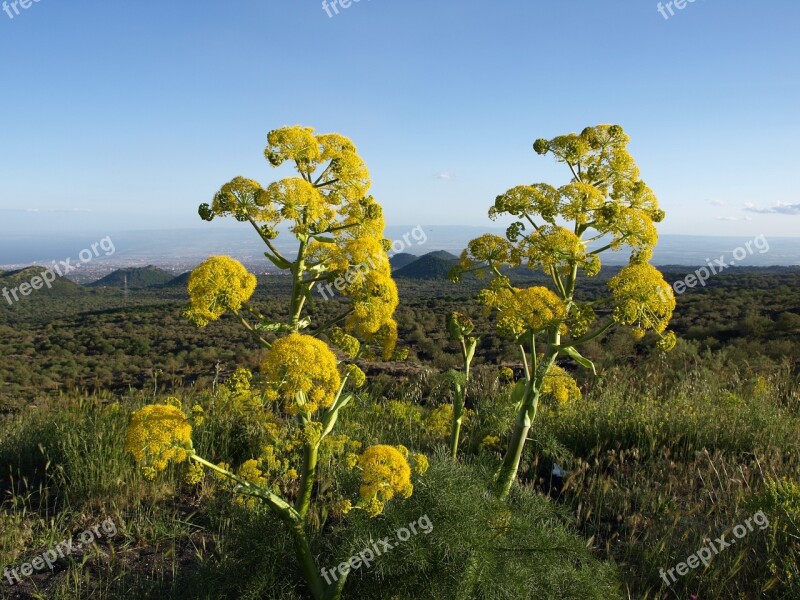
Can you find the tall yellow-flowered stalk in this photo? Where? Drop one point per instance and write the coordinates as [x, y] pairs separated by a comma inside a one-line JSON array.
[[338, 228], [605, 204]]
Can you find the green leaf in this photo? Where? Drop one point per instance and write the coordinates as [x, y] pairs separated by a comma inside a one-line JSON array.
[[579, 358], [281, 263], [472, 343], [519, 391], [325, 239]]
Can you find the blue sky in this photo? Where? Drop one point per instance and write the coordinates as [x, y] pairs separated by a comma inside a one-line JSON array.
[[122, 115]]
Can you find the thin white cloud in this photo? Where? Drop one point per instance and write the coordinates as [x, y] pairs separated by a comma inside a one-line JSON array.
[[779, 209], [734, 219], [446, 175], [717, 202]]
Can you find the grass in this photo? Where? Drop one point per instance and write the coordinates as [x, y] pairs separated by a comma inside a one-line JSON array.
[[658, 458]]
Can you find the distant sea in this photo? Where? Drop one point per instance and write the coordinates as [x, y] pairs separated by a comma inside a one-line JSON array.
[[183, 248]]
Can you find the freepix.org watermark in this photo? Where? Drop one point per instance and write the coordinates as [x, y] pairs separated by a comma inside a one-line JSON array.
[[353, 273], [667, 10], [368, 555], [15, 6], [712, 548], [332, 7], [58, 269], [48, 558], [715, 267]]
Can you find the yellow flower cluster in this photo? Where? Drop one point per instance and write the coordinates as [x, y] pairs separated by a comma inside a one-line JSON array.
[[340, 227], [241, 198], [559, 385], [157, 435], [359, 265], [384, 472], [556, 247], [490, 442], [356, 376], [539, 199], [520, 310], [194, 474], [303, 373], [440, 422], [218, 285], [250, 472], [642, 299], [345, 342]]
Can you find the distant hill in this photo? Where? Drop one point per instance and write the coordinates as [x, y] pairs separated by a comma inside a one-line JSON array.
[[58, 287], [443, 254], [136, 278], [398, 261], [434, 265], [181, 281]]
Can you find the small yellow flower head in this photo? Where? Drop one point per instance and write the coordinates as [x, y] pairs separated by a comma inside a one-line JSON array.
[[240, 198], [345, 506], [558, 247], [356, 375], [490, 442], [198, 415], [558, 384], [667, 341], [385, 337], [296, 143], [173, 401], [419, 463], [351, 460], [159, 434], [506, 374], [643, 299], [250, 472], [520, 310], [374, 507], [440, 421], [303, 370], [239, 380], [384, 473], [459, 326], [149, 473], [218, 285], [345, 342], [194, 474]]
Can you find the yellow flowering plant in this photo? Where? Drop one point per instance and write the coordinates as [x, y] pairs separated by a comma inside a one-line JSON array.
[[338, 228], [460, 327], [563, 231]]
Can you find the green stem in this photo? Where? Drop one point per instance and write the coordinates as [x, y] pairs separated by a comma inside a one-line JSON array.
[[526, 414], [458, 419], [282, 508], [252, 330], [309, 476], [308, 565], [293, 519], [298, 291]]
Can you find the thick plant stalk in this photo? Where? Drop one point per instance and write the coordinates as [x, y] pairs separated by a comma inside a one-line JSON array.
[[310, 456], [526, 413], [308, 565]]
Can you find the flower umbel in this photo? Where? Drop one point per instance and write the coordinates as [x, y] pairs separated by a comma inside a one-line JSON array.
[[303, 372], [384, 472], [216, 286], [157, 435]]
